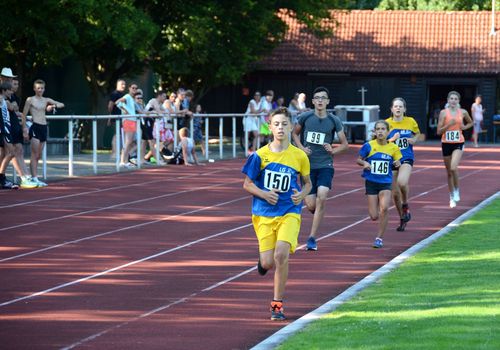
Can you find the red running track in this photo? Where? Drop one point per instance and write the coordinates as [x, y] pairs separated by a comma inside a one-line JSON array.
[[165, 258]]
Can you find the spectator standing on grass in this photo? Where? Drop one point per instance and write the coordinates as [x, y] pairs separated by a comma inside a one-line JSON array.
[[477, 112], [272, 176], [11, 137], [114, 110], [453, 120], [378, 157], [314, 133], [127, 106], [36, 106]]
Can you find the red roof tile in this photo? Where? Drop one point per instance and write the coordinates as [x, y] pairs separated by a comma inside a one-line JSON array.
[[393, 42]]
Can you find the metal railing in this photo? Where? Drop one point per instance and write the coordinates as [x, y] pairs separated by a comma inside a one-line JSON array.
[[175, 118]]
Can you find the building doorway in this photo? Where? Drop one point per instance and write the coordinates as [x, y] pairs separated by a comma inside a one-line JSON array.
[[437, 94]]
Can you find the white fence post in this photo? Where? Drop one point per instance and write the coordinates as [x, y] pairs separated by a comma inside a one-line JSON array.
[[70, 147], [221, 137], [118, 144], [234, 137], [94, 145]]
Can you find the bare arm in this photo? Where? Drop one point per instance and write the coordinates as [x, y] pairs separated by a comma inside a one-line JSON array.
[[26, 110], [362, 162], [55, 103], [298, 197], [270, 197], [468, 120], [185, 153], [296, 139], [111, 104], [441, 127], [344, 145]]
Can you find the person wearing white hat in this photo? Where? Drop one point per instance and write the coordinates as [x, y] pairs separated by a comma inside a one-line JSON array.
[[7, 73], [36, 106]]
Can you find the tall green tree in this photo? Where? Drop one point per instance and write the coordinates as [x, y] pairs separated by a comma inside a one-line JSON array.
[[115, 40], [29, 35], [435, 5], [203, 44]]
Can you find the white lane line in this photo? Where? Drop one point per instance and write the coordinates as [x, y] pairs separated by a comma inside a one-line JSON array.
[[131, 263], [169, 217], [101, 234], [108, 189], [114, 206], [283, 334], [243, 273]]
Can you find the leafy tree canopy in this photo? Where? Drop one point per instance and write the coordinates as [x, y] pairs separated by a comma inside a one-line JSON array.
[[435, 5]]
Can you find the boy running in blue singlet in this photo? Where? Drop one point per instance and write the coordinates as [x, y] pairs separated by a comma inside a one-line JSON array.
[[314, 134], [404, 132], [377, 157], [272, 177]]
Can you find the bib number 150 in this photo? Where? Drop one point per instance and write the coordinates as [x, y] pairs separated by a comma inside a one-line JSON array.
[[274, 180]]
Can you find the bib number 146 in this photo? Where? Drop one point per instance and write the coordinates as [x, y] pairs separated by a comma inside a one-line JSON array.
[[380, 167]]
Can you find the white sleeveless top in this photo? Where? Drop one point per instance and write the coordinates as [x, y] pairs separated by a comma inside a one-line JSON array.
[[478, 112]]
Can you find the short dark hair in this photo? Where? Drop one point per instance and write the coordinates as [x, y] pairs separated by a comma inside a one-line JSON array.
[[321, 89], [161, 92], [6, 85]]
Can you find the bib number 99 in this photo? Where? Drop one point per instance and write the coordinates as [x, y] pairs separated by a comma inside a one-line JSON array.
[[317, 138]]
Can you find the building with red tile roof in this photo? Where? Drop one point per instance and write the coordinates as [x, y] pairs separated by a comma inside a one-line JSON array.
[[392, 42], [418, 55]]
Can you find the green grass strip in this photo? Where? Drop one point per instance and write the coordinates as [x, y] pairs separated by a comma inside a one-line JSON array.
[[445, 297]]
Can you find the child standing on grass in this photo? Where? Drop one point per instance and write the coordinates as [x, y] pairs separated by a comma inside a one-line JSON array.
[[272, 177], [377, 157]]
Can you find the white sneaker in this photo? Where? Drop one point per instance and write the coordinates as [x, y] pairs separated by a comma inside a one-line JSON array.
[[39, 182], [456, 195], [453, 204], [27, 182]]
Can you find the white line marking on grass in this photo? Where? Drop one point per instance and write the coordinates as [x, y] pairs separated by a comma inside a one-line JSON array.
[[241, 274], [283, 334]]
